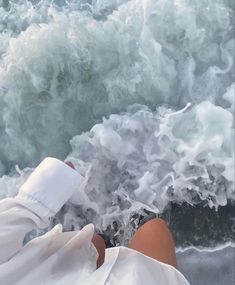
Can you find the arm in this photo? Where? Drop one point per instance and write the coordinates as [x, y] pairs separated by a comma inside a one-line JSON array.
[[46, 190], [16, 221]]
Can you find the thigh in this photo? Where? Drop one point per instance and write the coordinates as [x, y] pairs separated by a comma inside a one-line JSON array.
[[99, 244], [155, 240]]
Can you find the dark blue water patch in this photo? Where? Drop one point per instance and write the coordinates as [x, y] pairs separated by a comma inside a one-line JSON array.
[[197, 225], [202, 226]]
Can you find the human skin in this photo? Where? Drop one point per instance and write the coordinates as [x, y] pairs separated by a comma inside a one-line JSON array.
[[155, 240]]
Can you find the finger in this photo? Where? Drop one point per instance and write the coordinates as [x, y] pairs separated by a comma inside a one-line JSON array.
[[69, 163]]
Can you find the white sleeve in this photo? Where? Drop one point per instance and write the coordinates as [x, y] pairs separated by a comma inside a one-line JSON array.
[[43, 194]]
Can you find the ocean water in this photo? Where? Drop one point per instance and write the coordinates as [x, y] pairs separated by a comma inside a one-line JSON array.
[[139, 95]]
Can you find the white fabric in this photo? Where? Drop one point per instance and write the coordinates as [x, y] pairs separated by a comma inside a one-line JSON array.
[[64, 258], [61, 179]]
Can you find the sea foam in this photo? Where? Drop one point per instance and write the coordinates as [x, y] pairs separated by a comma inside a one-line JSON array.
[[64, 66]]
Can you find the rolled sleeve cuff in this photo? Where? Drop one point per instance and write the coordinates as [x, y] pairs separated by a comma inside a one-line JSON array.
[[52, 183]]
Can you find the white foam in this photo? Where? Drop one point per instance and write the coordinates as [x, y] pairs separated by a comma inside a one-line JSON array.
[[152, 158], [62, 69]]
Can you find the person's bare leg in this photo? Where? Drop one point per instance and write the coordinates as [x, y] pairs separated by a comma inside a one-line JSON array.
[[99, 244], [154, 239]]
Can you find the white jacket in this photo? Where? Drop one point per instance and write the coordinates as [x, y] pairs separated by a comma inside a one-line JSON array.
[[67, 258]]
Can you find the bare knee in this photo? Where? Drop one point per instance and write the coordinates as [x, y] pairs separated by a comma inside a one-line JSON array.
[[155, 223], [153, 227], [154, 239]]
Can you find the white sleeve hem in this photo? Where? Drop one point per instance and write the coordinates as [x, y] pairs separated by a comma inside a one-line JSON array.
[[35, 206], [52, 183]]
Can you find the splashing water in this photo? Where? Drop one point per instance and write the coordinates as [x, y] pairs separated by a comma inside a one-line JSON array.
[[139, 95]]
